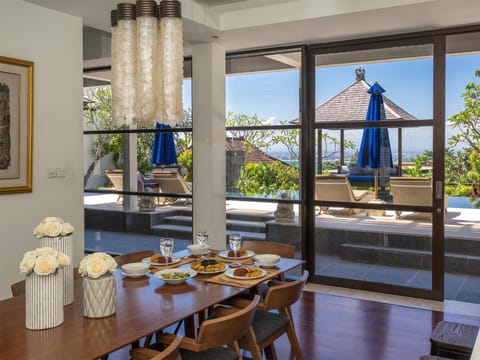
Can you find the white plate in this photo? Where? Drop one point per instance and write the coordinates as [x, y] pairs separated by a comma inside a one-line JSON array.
[[134, 276], [229, 273], [175, 259], [265, 266], [190, 272], [224, 254], [205, 252]]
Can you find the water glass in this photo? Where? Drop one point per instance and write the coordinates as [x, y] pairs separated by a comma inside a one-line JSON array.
[[166, 248], [202, 239], [235, 242]]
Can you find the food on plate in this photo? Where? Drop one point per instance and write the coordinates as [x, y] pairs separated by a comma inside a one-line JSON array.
[[240, 252], [175, 275], [247, 271], [208, 265], [159, 258]]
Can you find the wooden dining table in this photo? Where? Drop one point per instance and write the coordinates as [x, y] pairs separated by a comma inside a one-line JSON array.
[[143, 305]]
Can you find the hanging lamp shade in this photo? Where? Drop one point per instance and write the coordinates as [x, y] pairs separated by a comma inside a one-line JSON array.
[[147, 63]]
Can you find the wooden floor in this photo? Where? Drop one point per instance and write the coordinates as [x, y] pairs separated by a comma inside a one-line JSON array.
[[332, 327]]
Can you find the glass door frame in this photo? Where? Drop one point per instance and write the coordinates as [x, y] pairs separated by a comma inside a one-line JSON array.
[[438, 124]]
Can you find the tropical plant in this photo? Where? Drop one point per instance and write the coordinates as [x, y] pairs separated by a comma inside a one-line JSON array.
[[185, 161]]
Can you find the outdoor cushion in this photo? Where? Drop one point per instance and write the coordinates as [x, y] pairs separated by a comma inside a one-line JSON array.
[[266, 323]]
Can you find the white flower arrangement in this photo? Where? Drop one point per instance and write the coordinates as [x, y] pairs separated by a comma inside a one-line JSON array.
[[43, 261], [96, 265], [53, 226]]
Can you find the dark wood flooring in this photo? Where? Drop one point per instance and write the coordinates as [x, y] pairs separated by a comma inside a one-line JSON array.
[[332, 327]]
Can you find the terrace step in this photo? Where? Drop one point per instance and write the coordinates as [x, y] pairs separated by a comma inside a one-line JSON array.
[[236, 225], [420, 259], [250, 217]]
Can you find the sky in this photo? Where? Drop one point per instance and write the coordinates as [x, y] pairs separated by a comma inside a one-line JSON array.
[[274, 96]]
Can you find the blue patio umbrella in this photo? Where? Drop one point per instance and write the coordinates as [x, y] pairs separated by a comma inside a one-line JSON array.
[[163, 148], [375, 151]]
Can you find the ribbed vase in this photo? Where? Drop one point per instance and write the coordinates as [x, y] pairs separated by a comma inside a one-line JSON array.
[[99, 296], [65, 245], [43, 301]]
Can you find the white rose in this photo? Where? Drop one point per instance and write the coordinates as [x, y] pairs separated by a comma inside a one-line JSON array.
[[96, 268], [52, 219], [67, 229], [63, 260], [52, 229], [38, 230], [45, 265], [43, 251], [28, 262]]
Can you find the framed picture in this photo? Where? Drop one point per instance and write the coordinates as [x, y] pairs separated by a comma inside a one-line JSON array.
[[16, 125]]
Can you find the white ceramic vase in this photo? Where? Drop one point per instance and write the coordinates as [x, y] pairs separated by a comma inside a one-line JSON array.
[[43, 300], [99, 296], [65, 245]]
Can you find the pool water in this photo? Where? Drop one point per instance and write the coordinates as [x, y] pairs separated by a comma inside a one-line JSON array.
[[459, 202]]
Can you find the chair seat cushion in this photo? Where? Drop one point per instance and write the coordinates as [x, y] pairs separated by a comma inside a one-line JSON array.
[[266, 323], [218, 353], [454, 336]]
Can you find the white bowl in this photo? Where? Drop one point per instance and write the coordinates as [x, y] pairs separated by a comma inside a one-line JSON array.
[[135, 269], [166, 275], [196, 249], [267, 260]]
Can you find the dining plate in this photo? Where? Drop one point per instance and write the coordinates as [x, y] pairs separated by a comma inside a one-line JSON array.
[[210, 272], [175, 259], [229, 273], [224, 254], [171, 272], [134, 275], [199, 253]]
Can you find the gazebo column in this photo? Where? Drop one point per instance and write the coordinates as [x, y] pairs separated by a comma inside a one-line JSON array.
[[208, 87]]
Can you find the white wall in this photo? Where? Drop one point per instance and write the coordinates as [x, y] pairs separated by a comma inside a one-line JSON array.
[[53, 41]]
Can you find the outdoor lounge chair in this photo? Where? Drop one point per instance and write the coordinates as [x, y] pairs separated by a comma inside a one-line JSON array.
[[116, 178], [408, 190], [338, 188], [171, 182]]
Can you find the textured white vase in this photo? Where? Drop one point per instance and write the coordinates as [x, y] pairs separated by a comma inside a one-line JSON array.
[[43, 301], [65, 245], [99, 296]]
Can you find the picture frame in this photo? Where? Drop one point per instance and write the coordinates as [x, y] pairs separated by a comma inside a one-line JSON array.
[[16, 125]]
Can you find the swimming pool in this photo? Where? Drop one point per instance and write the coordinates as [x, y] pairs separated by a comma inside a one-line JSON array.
[[459, 202]]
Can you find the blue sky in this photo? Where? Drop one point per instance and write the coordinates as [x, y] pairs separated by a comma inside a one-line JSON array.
[[274, 96]]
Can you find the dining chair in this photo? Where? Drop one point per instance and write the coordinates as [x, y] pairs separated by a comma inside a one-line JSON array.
[[270, 247], [273, 317], [217, 337], [171, 352], [18, 288], [136, 256]]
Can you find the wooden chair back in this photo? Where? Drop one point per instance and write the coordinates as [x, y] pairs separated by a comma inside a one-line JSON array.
[[283, 294], [133, 257], [227, 329], [171, 352], [270, 247]]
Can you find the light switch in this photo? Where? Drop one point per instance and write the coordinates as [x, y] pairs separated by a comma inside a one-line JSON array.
[[51, 172], [61, 172]]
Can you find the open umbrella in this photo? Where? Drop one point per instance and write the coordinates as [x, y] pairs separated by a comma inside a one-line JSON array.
[[375, 151], [163, 148]]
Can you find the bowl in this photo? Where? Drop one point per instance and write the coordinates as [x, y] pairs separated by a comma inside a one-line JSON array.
[[196, 249], [267, 260], [175, 276], [135, 269]]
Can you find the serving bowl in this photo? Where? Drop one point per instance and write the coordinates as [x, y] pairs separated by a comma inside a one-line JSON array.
[[267, 260], [135, 269], [196, 249], [175, 276]]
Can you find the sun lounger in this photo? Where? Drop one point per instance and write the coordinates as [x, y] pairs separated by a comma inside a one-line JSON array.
[[173, 183], [338, 188]]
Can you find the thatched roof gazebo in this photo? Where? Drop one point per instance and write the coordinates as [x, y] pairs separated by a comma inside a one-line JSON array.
[[351, 104]]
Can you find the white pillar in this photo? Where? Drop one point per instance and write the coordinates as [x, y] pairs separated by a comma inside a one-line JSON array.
[[208, 87]]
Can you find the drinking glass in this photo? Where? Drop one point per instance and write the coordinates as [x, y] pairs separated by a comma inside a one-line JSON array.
[[202, 239], [235, 242], [166, 248]]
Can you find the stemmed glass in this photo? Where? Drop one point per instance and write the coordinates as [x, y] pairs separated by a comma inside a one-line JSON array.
[[202, 239], [235, 242], [166, 248]]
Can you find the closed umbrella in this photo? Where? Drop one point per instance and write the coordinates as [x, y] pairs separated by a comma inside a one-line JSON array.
[[163, 148], [375, 151]]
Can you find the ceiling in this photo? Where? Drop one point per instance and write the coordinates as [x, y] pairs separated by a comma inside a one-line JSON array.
[[245, 24]]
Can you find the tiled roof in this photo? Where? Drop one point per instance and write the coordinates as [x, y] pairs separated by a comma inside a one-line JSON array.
[[255, 156], [352, 104]]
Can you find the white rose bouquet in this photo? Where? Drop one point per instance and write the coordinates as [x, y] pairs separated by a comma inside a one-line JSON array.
[[96, 265], [53, 226], [43, 261]]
